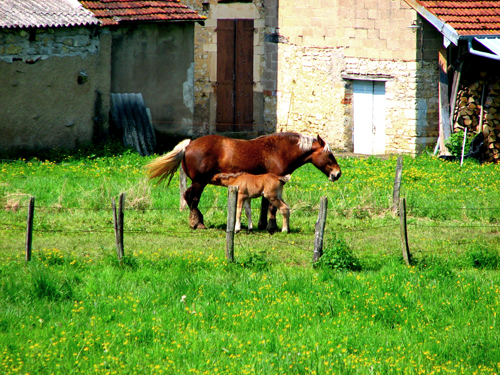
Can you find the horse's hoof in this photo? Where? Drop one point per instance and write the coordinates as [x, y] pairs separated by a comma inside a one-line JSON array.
[[272, 230], [201, 226]]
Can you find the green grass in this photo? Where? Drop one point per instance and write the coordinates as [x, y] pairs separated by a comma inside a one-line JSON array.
[[174, 305]]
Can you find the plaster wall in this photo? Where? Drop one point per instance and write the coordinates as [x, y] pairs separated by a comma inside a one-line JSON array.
[[157, 60], [54, 86]]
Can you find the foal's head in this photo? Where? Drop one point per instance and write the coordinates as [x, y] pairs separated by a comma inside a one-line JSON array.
[[323, 159]]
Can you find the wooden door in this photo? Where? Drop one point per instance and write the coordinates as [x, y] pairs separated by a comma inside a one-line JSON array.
[[234, 75], [369, 117]]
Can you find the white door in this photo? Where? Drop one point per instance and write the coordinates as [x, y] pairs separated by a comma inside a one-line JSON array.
[[369, 117]]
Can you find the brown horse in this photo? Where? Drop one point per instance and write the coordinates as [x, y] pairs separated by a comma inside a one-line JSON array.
[[203, 158], [251, 186]]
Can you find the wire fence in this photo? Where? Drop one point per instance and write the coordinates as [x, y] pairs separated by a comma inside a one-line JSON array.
[[457, 234], [421, 227]]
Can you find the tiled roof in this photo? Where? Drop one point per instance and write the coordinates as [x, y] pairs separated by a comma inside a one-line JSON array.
[[111, 12], [46, 13], [467, 17]]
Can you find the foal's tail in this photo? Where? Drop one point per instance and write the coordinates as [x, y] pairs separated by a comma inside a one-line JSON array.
[[167, 165]]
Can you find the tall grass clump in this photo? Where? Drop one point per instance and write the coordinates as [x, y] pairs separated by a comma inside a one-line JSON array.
[[337, 255], [482, 256]]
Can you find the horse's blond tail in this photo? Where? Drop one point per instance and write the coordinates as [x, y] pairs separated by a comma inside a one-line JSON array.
[[167, 165]]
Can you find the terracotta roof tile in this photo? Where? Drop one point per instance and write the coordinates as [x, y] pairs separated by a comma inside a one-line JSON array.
[[112, 12], [467, 17]]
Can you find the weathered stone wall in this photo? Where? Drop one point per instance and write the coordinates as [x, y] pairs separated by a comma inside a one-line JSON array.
[[40, 44], [308, 54], [325, 44], [54, 85], [311, 93]]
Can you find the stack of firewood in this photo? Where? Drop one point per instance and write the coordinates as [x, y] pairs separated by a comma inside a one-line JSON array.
[[477, 108]]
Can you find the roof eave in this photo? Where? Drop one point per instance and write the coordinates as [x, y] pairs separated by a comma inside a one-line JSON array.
[[448, 32]]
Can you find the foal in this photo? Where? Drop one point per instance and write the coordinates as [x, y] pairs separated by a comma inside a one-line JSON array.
[[251, 186]]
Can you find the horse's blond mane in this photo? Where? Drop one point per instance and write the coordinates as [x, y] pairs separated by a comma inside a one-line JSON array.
[[305, 143]]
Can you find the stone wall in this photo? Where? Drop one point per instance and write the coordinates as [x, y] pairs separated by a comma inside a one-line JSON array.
[[31, 45], [324, 45], [307, 55], [311, 92]]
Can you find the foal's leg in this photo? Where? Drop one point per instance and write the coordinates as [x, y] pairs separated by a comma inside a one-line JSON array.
[[239, 209], [192, 197], [285, 212], [248, 212]]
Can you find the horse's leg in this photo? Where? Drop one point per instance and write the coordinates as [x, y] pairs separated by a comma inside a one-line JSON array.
[[264, 207], [192, 197], [272, 226], [275, 204], [248, 212]]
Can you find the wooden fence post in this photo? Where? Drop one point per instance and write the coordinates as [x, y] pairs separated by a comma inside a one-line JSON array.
[[397, 185], [182, 188], [29, 228], [404, 232], [232, 197], [320, 229], [118, 222]]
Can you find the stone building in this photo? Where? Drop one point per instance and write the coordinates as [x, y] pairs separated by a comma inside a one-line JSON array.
[[362, 73], [60, 62]]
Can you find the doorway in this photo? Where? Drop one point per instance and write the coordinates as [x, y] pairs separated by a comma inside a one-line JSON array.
[[369, 117], [234, 75]]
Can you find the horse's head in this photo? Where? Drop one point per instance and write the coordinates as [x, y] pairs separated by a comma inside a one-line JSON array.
[[323, 159]]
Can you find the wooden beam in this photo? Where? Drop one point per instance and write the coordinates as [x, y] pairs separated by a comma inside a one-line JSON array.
[[444, 102]]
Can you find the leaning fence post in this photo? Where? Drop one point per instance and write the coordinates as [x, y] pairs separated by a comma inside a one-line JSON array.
[[320, 229], [404, 232], [397, 185], [232, 195], [29, 228], [118, 223], [182, 188]]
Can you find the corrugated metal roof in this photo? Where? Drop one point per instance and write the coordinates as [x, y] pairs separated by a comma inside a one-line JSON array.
[[44, 13], [112, 12], [467, 17]]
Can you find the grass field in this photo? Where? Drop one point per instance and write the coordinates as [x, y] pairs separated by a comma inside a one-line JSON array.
[[175, 306]]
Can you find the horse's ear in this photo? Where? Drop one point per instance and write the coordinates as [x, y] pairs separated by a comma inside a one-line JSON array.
[[321, 142]]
